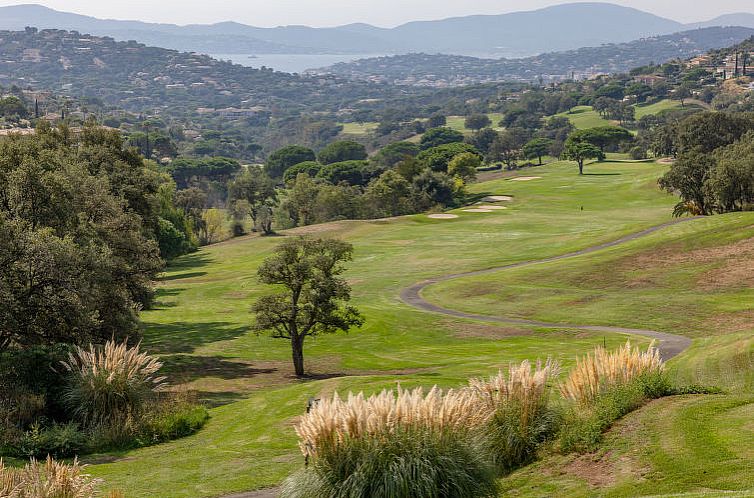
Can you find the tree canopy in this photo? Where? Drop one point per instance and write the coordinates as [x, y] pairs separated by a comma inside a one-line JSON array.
[[313, 296], [338, 152], [439, 136], [79, 251], [282, 159]]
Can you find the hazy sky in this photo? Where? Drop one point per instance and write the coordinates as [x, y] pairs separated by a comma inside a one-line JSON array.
[[334, 12]]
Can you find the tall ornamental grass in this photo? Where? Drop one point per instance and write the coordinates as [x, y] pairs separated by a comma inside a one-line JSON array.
[[522, 414], [111, 384], [605, 386], [396, 444], [50, 479], [603, 370]]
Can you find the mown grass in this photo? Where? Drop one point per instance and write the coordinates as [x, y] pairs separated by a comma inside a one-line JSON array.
[[679, 280], [201, 323], [358, 128], [583, 117], [459, 122], [656, 108]]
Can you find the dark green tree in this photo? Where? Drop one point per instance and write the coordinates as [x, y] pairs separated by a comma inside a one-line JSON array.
[[313, 296], [258, 190], [439, 136], [284, 158], [536, 148], [580, 152], [477, 121], [338, 152]]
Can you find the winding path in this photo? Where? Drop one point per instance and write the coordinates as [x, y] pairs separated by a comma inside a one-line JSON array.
[[669, 345]]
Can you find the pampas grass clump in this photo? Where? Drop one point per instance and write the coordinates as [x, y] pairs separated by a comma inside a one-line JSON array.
[[111, 384], [522, 414], [603, 370], [46, 480], [396, 444]]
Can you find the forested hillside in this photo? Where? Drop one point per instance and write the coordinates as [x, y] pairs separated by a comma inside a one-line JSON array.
[[441, 70]]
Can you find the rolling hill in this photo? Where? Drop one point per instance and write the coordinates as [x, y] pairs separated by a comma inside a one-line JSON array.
[[518, 34], [455, 70]]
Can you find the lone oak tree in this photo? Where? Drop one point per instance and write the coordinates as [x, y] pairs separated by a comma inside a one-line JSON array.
[[313, 298]]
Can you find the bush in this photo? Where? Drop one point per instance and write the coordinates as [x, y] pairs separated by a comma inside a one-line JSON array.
[[30, 383], [173, 419], [57, 441], [583, 426], [523, 416], [395, 445], [638, 153], [110, 385]]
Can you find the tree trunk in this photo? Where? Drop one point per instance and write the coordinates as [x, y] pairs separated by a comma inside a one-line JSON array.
[[297, 347], [581, 167]]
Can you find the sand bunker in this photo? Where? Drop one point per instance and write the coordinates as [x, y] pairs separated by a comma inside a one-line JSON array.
[[525, 178], [494, 208], [477, 210], [497, 198], [442, 216]]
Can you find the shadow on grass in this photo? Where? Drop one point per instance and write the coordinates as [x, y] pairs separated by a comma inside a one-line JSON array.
[[602, 174], [215, 399], [185, 368], [190, 262], [183, 337], [161, 294], [181, 276]]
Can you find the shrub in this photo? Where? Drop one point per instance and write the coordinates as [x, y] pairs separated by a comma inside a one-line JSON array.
[[522, 415], [584, 425], [57, 441], [49, 480], [173, 418], [594, 374], [109, 385], [396, 445]]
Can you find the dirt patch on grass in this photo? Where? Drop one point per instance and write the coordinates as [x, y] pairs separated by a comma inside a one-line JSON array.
[[597, 470], [442, 216], [725, 266], [477, 289], [740, 321], [484, 331]]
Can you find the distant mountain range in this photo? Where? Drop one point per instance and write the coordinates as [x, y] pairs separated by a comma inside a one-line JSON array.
[[519, 34], [441, 70]]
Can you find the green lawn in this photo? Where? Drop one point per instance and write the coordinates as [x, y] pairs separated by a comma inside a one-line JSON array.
[[584, 117], [656, 108], [201, 323], [459, 122], [358, 128]]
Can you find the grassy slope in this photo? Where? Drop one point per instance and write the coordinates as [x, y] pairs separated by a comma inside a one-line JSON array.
[[359, 128], [201, 325], [459, 122], [656, 108], [676, 281], [584, 117]]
